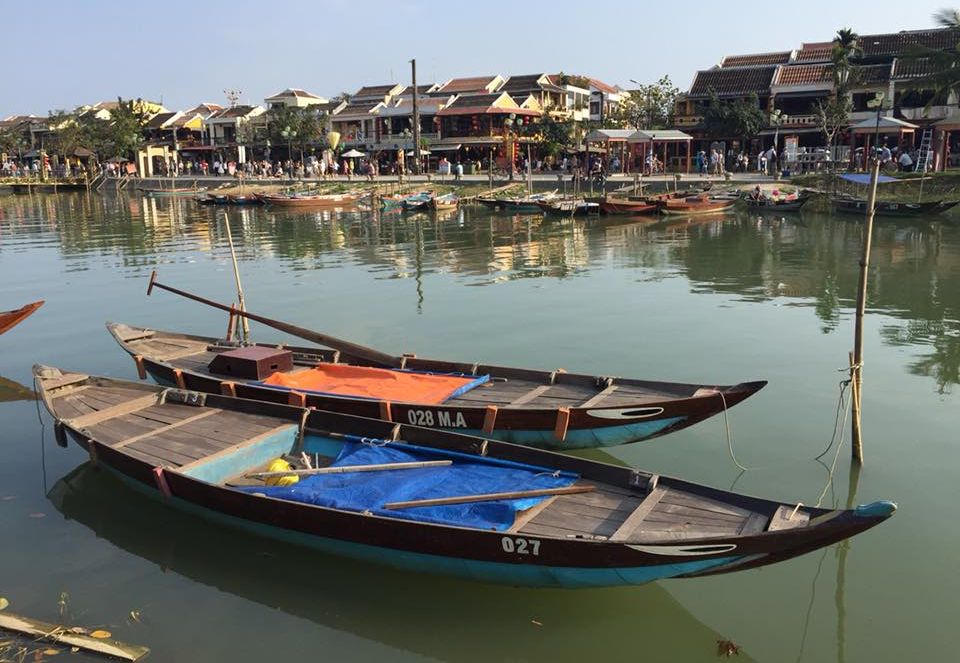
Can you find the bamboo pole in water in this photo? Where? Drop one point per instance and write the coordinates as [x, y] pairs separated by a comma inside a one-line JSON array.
[[856, 367], [236, 276]]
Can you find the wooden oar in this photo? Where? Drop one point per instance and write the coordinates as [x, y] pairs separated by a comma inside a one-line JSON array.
[[489, 497], [344, 469], [347, 347]]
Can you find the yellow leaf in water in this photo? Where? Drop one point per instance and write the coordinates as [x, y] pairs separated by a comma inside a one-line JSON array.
[[3, 603], [51, 652], [100, 634]]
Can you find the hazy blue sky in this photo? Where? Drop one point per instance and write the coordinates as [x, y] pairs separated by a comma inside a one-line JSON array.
[[63, 54]]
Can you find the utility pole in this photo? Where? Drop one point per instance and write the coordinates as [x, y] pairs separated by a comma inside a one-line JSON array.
[[416, 119]]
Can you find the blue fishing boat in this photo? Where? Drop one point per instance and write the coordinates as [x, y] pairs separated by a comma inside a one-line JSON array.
[[425, 500]]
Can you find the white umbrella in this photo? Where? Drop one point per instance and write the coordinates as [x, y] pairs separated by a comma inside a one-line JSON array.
[[422, 152], [353, 154]]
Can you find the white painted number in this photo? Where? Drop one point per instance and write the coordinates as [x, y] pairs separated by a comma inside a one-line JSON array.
[[443, 419], [520, 546], [420, 417]]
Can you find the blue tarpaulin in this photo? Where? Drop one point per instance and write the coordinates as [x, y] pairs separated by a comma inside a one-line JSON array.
[[468, 475], [864, 178]]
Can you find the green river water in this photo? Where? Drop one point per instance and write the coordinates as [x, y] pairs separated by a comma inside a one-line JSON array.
[[719, 300]]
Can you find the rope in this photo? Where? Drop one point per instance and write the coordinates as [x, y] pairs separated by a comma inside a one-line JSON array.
[[836, 456], [726, 425]]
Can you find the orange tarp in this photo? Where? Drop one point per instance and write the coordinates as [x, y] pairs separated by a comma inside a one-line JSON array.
[[376, 383]]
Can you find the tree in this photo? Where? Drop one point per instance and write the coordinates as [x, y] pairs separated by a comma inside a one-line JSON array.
[[942, 66], [554, 137], [12, 141], [832, 114], [123, 132], [295, 126], [736, 118], [72, 131], [648, 107]]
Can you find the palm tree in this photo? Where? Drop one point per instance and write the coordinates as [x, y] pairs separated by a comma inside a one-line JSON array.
[[942, 67], [947, 18]]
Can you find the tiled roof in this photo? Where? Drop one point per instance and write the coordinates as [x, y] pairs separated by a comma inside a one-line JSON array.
[[814, 52], [756, 59], [732, 82], [523, 83], [158, 120], [375, 90], [898, 43], [421, 90], [293, 92], [234, 111], [603, 87], [473, 84], [904, 69], [482, 103], [354, 108], [205, 108], [874, 74], [804, 74]]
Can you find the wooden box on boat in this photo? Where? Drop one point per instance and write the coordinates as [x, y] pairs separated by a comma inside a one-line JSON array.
[[252, 362]]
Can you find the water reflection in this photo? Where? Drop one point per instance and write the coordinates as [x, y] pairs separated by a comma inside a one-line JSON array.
[[804, 260], [11, 390], [432, 616]]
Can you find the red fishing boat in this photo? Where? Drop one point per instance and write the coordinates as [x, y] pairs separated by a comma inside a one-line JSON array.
[[626, 206], [10, 319], [700, 204]]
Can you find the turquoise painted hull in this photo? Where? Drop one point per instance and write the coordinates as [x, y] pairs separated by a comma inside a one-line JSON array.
[[587, 438], [526, 575]]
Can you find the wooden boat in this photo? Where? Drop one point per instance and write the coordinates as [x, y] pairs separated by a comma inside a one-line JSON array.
[[569, 207], [445, 202], [529, 203], [700, 204], [306, 200], [218, 198], [426, 500], [417, 202], [623, 206], [10, 319], [849, 205], [247, 199], [171, 191], [552, 409], [776, 204]]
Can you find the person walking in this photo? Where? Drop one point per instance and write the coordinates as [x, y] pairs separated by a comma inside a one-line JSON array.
[[459, 172]]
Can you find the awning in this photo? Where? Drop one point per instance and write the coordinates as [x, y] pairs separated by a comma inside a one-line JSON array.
[[659, 135], [886, 124], [445, 148]]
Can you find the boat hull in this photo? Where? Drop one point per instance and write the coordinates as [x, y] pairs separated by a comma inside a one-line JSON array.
[[694, 209], [779, 206], [10, 319], [521, 554], [891, 209], [588, 425]]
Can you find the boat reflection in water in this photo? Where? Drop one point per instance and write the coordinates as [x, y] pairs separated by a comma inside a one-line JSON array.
[[439, 617]]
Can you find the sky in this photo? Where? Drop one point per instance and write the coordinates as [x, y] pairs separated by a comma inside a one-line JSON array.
[[60, 55]]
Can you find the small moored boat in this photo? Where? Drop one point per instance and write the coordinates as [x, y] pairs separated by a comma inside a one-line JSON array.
[[445, 202], [10, 319], [850, 205], [626, 206], [569, 207], [529, 203], [700, 204], [308, 200], [766, 204], [424, 500]]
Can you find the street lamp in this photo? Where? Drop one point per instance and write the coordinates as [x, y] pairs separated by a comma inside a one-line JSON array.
[[289, 134], [509, 135], [777, 118], [876, 102]]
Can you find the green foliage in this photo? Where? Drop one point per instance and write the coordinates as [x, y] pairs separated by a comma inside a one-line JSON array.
[[303, 124], [554, 137], [123, 133], [737, 118], [70, 131], [11, 141], [943, 66], [648, 107]]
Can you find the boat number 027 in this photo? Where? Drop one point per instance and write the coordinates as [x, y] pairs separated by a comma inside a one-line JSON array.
[[520, 546]]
